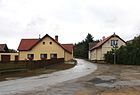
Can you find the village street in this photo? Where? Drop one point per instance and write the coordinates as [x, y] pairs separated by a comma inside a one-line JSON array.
[[43, 82], [83, 79], [106, 80]]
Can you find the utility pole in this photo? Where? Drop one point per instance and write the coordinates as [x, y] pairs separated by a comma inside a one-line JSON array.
[[114, 46], [114, 57]]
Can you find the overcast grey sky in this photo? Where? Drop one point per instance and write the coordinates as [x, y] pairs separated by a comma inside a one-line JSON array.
[[71, 20]]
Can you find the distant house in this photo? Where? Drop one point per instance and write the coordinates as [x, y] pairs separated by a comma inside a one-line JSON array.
[[44, 48], [5, 56], [98, 49], [3, 48]]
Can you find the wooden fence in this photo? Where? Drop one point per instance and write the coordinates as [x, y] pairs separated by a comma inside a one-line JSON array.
[[43, 63], [30, 64]]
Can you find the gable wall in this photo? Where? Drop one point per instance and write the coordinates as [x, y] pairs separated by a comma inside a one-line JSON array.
[[107, 46], [68, 56], [98, 54]]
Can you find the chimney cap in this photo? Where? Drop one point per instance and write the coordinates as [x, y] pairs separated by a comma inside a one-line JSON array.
[[39, 36], [56, 37]]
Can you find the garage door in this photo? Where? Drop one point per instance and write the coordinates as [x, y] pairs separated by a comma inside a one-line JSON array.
[[5, 58]]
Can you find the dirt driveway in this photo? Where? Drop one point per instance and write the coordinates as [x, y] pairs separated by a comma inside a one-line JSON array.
[[107, 80]]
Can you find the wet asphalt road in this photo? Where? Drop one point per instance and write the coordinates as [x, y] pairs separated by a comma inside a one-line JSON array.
[[41, 82]]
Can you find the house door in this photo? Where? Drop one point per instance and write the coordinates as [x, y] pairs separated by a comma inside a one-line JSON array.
[[16, 57], [5, 58]]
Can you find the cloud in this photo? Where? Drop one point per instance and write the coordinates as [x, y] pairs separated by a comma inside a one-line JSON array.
[[72, 20]]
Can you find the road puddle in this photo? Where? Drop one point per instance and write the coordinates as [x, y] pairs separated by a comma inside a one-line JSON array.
[[112, 81]]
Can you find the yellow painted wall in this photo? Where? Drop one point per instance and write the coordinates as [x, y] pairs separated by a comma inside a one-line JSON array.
[[93, 55], [96, 54], [99, 52], [108, 43], [12, 55], [68, 56], [107, 46], [41, 49]]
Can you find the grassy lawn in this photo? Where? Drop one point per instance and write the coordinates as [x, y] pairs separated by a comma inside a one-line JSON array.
[[49, 69]]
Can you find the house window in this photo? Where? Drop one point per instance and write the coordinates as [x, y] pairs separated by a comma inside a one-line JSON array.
[[43, 56], [53, 56], [114, 42], [50, 43], [43, 43], [30, 56]]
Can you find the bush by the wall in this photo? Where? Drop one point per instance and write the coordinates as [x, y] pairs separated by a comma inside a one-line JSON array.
[[129, 54]]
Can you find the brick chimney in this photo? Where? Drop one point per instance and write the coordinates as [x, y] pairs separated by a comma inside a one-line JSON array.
[[56, 38]]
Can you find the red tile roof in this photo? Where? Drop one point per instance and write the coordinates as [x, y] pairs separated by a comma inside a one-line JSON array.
[[28, 44], [69, 47], [99, 44]]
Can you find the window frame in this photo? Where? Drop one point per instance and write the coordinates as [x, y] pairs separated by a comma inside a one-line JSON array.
[[43, 43], [30, 56], [114, 42], [43, 56], [50, 43], [53, 56]]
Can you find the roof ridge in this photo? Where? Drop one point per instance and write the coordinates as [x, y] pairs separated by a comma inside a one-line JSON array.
[[29, 39], [68, 44]]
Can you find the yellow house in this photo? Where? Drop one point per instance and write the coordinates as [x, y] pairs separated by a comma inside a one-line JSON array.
[[44, 48], [96, 52], [5, 55]]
